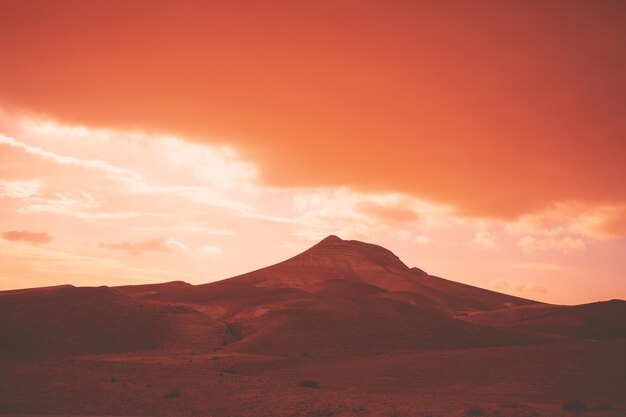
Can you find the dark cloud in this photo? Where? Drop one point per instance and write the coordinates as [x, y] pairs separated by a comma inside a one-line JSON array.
[[495, 108]]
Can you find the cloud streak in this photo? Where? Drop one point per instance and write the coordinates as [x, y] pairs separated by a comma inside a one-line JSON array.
[[32, 238], [209, 250], [566, 244], [522, 288], [150, 245], [68, 160]]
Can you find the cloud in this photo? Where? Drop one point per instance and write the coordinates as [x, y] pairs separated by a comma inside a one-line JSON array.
[[150, 245], [209, 250], [357, 215], [406, 236], [61, 204], [190, 226], [213, 175], [175, 245], [574, 218], [33, 238], [601, 222], [422, 240], [567, 244], [541, 266], [484, 239], [218, 166], [504, 285], [82, 206], [568, 227], [19, 189], [68, 160]]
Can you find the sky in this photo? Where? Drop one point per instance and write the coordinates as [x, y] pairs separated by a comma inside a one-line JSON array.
[[152, 141]]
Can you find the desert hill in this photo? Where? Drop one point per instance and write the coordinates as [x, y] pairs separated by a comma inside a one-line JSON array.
[[600, 320]]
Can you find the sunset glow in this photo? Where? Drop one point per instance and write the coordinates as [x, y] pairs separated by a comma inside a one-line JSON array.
[[147, 142]]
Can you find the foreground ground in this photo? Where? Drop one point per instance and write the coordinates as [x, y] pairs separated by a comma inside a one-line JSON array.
[[507, 381]]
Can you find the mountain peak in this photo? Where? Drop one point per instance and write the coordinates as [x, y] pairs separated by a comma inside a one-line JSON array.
[[330, 239], [334, 252]]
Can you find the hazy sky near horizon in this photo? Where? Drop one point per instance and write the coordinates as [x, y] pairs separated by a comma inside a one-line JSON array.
[[154, 141]]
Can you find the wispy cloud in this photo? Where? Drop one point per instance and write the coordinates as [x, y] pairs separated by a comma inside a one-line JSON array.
[[564, 244], [209, 250], [518, 287], [541, 266], [69, 160], [150, 245], [19, 189]]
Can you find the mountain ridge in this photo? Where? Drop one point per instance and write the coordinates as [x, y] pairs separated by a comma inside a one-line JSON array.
[[339, 296]]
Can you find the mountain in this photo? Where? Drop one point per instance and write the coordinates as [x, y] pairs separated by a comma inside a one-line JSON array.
[[339, 296], [348, 268]]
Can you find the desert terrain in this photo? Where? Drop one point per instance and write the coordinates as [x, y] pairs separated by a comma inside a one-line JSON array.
[[342, 329]]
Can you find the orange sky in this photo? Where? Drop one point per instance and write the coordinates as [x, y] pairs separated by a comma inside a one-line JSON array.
[[482, 141]]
